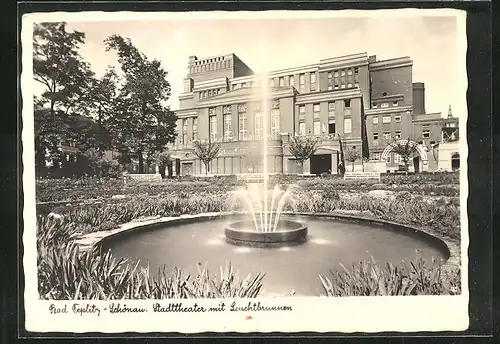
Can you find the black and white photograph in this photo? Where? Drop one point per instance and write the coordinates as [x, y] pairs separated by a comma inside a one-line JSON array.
[[273, 171]]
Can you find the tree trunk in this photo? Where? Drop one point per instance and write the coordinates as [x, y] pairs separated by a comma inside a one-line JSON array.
[[207, 166], [161, 169], [141, 163], [352, 166]]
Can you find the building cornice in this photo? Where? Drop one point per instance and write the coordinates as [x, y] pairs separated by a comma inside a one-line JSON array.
[[228, 98], [353, 60], [328, 95], [186, 113], [209, 84], [186, 95], [391, 63], [389, 97], [379, 111]]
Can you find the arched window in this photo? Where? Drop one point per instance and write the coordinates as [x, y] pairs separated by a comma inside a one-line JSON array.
[[455, 161]]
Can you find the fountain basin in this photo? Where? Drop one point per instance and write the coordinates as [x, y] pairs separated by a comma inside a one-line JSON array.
[[287, 233]]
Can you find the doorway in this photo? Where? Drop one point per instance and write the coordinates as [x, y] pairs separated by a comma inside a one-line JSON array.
[[321, 163], [455, 162], [416, 164]]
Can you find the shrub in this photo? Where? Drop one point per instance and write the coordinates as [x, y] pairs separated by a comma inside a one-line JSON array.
[[370, 279]]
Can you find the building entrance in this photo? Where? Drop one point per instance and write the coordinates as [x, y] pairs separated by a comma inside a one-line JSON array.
[[321, 163]]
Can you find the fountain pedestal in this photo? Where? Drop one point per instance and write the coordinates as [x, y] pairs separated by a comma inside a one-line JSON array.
[[287, 233]]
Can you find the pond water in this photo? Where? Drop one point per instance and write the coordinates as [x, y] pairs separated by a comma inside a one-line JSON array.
[[329, 243]]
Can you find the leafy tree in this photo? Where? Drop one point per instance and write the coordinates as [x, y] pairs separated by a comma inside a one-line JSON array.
[[59, 67], [163, 159], [352, 155], [68, 82], [302, 147], [141, 125], [206, 151], [405, 150]]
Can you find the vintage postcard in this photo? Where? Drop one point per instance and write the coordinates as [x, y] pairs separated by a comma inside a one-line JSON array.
[[275, 171]]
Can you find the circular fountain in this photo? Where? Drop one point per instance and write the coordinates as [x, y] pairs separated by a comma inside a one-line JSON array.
[[287, 233]]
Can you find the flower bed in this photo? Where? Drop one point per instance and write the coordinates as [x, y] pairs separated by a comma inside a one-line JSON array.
[[65, 273]]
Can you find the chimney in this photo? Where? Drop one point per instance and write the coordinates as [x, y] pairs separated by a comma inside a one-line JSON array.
[[372, 59], [418, 98], [450, 114]]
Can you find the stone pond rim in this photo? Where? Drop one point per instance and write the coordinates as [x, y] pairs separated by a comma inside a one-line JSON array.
[[288, 233]]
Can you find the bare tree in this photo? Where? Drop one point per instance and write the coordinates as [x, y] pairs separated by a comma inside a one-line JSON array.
[[302, 147], [352, 155], [405, 150], [206, 151]]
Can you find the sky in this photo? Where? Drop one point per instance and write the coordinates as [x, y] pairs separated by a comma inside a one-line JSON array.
[[277, 43]]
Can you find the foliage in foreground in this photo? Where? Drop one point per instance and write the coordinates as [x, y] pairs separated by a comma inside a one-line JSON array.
[[67, 274], [370, 279]]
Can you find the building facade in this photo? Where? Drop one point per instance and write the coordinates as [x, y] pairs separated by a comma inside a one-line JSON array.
[[358, 99]]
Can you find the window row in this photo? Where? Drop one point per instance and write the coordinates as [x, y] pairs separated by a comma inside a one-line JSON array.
[[387, 135], [243, 128], [209, 65], [319, 129], [384, 105], [386, 119], [331, 109], [209, 93]]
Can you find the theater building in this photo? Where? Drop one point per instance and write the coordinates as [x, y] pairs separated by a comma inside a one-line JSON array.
[[358, 99]]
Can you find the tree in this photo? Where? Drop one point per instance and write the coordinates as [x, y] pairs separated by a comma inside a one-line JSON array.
[[302, 147], [163, 159], [59, 67], [206, 151], [341, 165], [68, 82], [352, 155], [141, 125], [405, 150]]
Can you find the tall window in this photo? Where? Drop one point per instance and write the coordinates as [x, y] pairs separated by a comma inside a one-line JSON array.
[[195, 128], [397, 158], [397, 135], [386, 119], [292, 80], [375, 120], [387, 135], [275, 123], [259, 125], [347, 107], [331, 109], [426, 134], [228, 136], [302, 112], [313, 81], [330, 81], [302, 128], [302, 83], [242, 122], [184, 131], [347, 126], [349, 72], [213, 128], [397, 118], [282, 82], [316, 111], [375, 136], [317, 127]]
